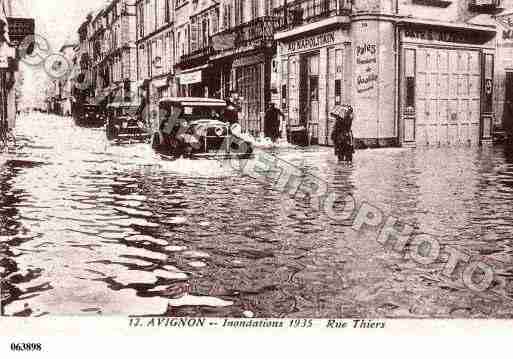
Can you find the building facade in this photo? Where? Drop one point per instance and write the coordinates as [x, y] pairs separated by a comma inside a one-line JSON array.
[[119, 65], [503, 85], [155, 50], [15, 30], [65, 85], [415, 71]]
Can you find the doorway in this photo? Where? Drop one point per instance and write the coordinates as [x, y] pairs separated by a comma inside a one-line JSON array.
[[507, 117], [309, 96]]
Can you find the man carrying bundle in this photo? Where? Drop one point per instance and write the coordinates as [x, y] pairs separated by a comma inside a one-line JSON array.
[[342, 135]]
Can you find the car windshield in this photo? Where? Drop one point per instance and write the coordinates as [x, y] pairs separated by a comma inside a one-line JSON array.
[[90, 109], [190, 113]]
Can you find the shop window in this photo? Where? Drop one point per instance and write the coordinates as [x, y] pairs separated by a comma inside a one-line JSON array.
[[314, 88], [410, 92], [338, 92], [488, 83]]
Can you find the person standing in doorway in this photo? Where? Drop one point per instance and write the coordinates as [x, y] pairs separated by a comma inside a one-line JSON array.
[[272, 122]]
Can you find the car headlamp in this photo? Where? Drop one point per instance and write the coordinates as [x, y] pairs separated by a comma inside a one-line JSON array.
[[219, 131]]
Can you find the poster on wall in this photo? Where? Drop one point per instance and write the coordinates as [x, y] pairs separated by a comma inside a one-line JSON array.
[[366, 73]]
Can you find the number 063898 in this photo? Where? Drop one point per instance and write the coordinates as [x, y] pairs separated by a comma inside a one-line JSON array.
[[26, 347]]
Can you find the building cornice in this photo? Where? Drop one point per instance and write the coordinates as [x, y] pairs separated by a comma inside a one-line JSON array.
[[156, 32]]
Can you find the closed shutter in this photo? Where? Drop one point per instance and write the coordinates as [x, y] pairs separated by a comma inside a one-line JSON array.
[[448, 97], [194, 34]]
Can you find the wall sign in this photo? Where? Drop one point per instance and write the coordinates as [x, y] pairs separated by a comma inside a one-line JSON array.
[[467, 37], [311, 42], [366, 62], [190, 78]]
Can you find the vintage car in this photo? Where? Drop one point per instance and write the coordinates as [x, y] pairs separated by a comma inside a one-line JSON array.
[[124, 122], [89, 115], [194, 127]]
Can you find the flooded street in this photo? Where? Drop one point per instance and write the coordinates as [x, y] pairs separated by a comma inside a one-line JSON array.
[[88, 227]]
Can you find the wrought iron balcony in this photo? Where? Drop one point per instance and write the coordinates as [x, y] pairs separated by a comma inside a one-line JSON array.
[[196, 57], [257, 32], [485, 6], [300, 12]]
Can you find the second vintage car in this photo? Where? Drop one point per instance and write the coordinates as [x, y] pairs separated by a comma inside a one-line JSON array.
[[89, 115], [125, 123], [194, 127]]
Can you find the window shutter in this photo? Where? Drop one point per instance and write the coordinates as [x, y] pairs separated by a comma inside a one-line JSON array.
[[194, 34]]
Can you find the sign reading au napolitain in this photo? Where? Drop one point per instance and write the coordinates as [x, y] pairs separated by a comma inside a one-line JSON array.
[[312, 42]]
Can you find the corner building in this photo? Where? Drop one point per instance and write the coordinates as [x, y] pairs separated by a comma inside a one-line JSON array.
[[417, 72]]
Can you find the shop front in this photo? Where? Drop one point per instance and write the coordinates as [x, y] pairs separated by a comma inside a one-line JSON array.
[[242, 63], [315, 72], [193, 82], [503, 89], [251, 82], [446, 84]]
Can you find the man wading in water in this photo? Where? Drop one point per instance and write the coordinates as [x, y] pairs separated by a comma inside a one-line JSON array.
[[342, 135]]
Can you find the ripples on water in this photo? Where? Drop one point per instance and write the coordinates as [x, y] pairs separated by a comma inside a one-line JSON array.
[[93, 228]]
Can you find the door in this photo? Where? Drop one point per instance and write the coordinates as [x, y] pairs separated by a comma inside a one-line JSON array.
[[448, 100], [309, 95], [507, 117]]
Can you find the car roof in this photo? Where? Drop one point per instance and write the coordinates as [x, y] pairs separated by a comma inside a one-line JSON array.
[[193, 101], [122, 105]]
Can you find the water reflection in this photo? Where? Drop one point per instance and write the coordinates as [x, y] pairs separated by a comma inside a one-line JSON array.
[[91, 228]]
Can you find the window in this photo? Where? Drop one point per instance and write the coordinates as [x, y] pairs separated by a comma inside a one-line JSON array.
[[194, 34], [179, 3], [167, 11], [239, 12], [156, 10], [488, 82], [268, 7], [254, 8], [215, 21], [141, 20], [204, 33], [409, 74], [227, 16]]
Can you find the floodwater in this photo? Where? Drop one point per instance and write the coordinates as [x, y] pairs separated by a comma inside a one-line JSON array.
[[93, 228]]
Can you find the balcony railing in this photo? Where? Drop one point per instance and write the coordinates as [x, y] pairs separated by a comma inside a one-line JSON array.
[[300, 12], [196, 57], [485, 6], [256, 33]]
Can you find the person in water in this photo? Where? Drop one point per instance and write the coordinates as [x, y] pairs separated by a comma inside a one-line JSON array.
[[342, 135], [272, 122]]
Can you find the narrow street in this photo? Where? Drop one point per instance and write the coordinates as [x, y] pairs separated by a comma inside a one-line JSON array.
[[90, 227]]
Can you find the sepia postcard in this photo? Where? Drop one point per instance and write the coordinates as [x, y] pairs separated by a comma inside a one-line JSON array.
[[309, 168]]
